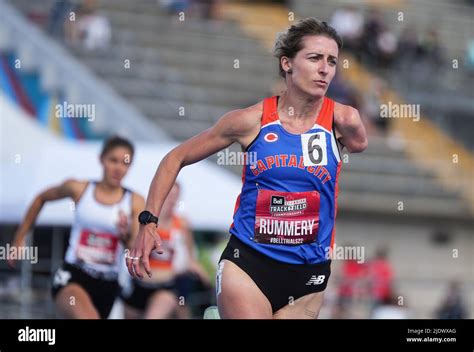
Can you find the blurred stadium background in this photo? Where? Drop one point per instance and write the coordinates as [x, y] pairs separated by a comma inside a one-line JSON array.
[[161, 71]]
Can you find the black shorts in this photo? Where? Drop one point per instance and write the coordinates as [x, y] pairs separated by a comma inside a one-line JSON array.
[[139, 292], [280, 282], [102, 292]]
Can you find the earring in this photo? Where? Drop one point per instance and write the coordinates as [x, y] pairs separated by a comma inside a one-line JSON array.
[[290, 71]]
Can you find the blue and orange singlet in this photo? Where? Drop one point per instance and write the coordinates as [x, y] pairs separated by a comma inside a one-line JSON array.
[[288, 203]]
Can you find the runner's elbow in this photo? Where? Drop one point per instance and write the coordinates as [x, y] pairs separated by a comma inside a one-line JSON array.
[[176, 158]]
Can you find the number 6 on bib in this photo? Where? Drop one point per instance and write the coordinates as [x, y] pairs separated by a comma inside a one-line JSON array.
[[314, 149]]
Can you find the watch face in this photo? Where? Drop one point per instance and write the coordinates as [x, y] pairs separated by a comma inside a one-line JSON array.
[[144, 217]]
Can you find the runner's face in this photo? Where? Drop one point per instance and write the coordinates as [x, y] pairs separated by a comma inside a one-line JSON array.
[[314, 66], [116, 163]]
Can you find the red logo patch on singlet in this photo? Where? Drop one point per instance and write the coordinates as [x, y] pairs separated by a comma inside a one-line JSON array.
[[97, 248], [271, 137], [289, 218]]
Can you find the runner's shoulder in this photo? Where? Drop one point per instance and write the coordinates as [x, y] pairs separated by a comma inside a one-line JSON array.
[[345, 113], [74, 188], [75, 184], [241, 122]]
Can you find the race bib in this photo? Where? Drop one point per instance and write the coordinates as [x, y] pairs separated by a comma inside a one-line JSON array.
[[97, 248], [289, 218]]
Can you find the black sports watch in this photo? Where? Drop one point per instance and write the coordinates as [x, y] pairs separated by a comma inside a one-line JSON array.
[[145, 217]]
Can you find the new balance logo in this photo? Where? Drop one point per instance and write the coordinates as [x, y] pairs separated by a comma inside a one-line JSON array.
[[316, 280]]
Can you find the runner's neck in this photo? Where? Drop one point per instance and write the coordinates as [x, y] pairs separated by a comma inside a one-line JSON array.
[[294, 107], [107, 188]]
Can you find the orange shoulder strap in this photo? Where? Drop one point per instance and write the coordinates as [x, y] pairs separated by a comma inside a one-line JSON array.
[[326, 114], [269, 110]]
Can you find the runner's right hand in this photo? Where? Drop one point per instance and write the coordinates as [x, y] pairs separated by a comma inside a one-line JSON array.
[[147, 240]]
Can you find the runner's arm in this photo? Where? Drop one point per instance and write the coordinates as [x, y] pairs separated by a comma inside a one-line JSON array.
[[235, 126], [66, 189], [350, 128]]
